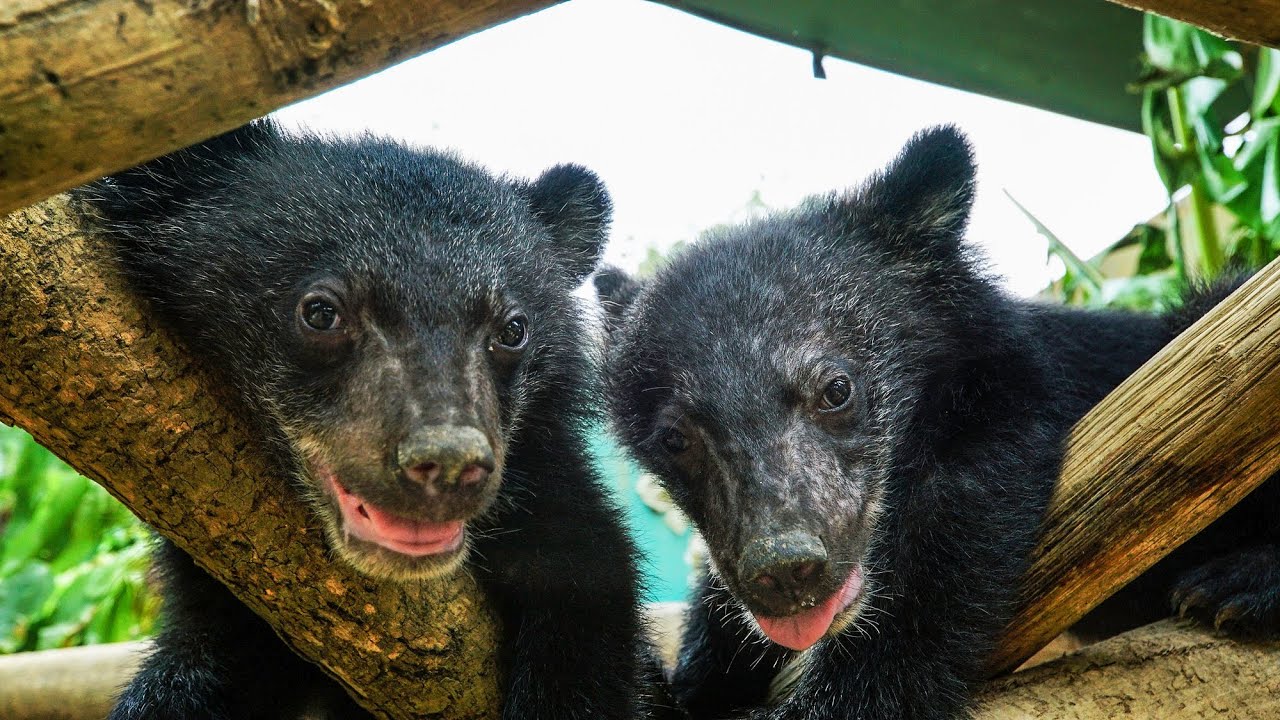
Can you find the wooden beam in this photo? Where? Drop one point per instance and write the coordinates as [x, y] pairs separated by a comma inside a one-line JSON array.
[[1170, 670], [85, 371], [1169, 451], [77, 683], [89, 87], [1253, 21]]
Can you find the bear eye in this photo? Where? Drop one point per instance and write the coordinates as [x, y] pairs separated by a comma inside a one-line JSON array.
[[837, 393], [319, 313], [514, 333], [674, 441]]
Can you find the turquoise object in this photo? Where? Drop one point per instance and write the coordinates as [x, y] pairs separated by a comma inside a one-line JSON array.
[[666, 573]]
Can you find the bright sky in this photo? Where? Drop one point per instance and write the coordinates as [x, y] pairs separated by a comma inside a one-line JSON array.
[[686, 120]]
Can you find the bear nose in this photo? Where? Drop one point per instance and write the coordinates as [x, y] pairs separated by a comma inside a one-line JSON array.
[[784, 571], [445, 457]]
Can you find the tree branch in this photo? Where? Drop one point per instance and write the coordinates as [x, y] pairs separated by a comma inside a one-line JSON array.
[[1169, 670]]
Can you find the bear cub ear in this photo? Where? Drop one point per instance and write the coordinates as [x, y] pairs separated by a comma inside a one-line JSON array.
[[158, 187], [920, 203], [575, 206], [616, 291]]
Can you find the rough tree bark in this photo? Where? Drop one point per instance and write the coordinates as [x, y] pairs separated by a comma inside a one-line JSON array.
[[1165, 454], [1170, 670], [87, 373], [88, 87], [1254, 21]]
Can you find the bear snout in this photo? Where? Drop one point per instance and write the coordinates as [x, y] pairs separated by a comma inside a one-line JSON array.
[[781, 572], [444, 459]]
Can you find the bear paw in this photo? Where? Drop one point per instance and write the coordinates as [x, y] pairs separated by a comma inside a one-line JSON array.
[[1239, 593]]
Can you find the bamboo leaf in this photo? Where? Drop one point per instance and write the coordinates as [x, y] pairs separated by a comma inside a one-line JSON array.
[[1267, 84], [1086, 272]]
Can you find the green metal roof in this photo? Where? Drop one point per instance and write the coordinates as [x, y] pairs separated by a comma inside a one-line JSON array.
[[1072, 57]]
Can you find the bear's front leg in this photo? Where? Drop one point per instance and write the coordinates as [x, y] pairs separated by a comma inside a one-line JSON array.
[[215, 660], [725, 667], [850, 678], [563, 574], [178, 679]]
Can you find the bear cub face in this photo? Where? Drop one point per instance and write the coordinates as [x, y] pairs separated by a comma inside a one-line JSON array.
[[389, 314], [775, 399]]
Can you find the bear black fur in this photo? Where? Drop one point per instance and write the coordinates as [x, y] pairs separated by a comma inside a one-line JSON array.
[[400, 324], [867, 431]]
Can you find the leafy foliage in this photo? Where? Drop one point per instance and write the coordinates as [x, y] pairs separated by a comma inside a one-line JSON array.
[[73, 561], [1211, 109]]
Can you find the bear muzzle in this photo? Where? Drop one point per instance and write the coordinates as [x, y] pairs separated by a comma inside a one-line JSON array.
[[794, 589], [445, 458]]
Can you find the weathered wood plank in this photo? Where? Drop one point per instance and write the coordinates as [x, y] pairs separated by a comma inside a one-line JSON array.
[[1253, 21], [89, 87], [1169, 451]]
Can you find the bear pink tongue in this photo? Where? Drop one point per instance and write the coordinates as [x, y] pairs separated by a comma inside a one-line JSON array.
[[416, 538], [802, 630]]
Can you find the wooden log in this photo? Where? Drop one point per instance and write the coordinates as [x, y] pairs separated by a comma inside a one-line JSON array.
[[1253, 21], [69, 684], [85, 371], [1169, 451], [89, 87], [1170, 670]]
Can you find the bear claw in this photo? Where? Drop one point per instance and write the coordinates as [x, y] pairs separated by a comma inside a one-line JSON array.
[[1238, 593]]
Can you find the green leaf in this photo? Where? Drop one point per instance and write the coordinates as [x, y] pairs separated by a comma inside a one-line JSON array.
[[1269, 202], [1164, 151], [73, 561], [85, 531], [1165, 45], [1198, 98], [71, 607], [1214, 56], [30, 466], [1142, 292], [1085, 273], [1154, 254], [1222, 181], [124, 621], [1246, 248], [47, 530], [1267, 85], [1261, 133], [1251, 162], [25, 593], [1174, 51]]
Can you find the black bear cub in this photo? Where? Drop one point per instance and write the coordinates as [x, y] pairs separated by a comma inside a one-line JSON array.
[[401, 325], [867, 431]]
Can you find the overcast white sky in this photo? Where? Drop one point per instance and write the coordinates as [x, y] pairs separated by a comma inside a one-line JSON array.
[[685, 120]]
